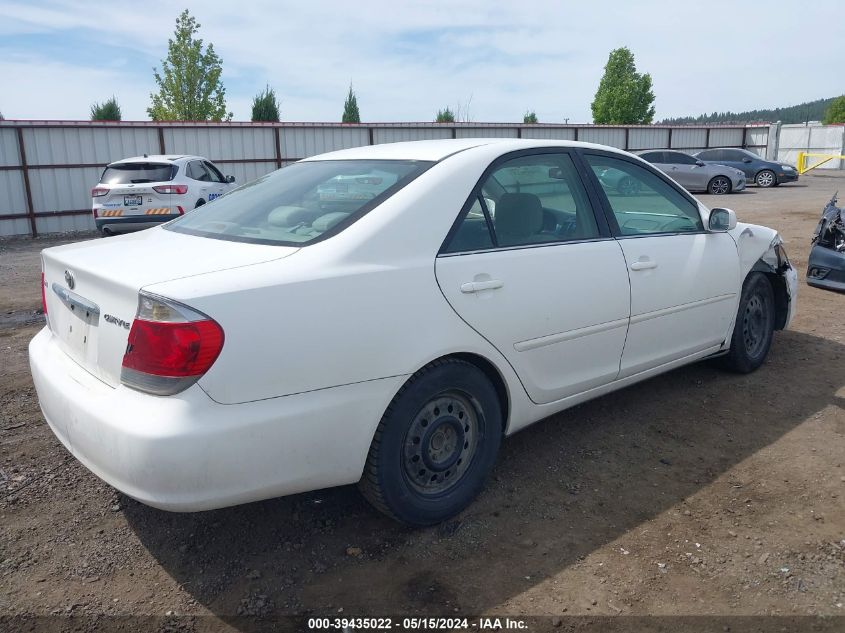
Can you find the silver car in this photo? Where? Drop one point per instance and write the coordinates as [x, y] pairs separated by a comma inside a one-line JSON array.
[[694, 174]]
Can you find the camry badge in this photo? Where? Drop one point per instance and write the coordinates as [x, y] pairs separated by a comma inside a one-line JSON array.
[[69, 280]]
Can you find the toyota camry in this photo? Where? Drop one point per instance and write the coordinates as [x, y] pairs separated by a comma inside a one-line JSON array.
[[293, 336]]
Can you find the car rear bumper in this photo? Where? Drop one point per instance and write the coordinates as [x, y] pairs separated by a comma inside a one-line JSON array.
[[187, 453], [132, 222]]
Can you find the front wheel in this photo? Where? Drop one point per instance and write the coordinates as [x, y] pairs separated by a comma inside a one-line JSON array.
[[754, 327], [435, 444], [719, 185], [766, 178]]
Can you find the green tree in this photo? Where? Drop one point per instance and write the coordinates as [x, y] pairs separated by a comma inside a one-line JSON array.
[[264, 105], [529, 117], [189, 85], [445, 116], [350, 108], [835, 112], [624, 96], [106, 111]]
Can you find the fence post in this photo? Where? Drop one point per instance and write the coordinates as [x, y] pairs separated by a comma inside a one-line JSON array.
[[773, 141], [278, 141], [30, 211]]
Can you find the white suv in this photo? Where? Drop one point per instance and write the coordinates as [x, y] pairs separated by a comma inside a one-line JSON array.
[[136, 193]]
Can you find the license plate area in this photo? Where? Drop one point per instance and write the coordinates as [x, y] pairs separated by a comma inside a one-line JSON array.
[[75, 325], [133, 201]]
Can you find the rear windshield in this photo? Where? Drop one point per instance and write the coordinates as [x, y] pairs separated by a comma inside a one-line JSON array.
[[301, 203], [126, 173]]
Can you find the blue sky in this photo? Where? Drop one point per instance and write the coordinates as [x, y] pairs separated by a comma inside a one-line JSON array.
[[494, 59]]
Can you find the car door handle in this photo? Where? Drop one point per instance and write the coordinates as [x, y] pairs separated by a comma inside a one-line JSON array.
[[477, 286], [643, 264]]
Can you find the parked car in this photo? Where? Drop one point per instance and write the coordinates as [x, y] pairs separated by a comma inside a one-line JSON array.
[[694, 174], [136, 193], [273, 344], [762, 172], [618, 181], [826, 266]]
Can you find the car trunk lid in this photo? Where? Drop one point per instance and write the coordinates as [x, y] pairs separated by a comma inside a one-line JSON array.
[[91, 288]]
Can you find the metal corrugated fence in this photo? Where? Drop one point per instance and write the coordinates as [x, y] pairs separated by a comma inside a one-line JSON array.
[[47, 168]]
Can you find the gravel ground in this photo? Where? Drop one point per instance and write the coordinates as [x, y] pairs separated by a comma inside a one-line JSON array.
[[696, 493]]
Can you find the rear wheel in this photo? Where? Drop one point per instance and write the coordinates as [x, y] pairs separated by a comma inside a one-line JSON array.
[[435, 444], [719, 185], [766, 178], [755, 324]]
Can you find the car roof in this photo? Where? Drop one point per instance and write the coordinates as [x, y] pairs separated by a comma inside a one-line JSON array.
[[437, 150], [157, 158]]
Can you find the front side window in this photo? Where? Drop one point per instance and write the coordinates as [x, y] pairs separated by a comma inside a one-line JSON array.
[[642, 202], [300, 203], [197, 171], [213, 172], [535, 199], [679, 158]]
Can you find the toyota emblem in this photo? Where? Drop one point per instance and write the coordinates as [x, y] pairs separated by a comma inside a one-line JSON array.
[[69, 280]]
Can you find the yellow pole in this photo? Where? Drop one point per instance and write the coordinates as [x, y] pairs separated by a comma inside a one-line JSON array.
[[802, 156]]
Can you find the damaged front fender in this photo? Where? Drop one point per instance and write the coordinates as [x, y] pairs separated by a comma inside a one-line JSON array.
[[826, 266], [761, 250]]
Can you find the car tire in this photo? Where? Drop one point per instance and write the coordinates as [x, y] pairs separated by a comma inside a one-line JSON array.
[[199, 203], [754, 327], [435, 444], [766, 178], [628, 186], [719, 185]]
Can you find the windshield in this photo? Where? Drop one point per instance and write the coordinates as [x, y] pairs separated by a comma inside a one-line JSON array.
[[301, 203], [126, 173]]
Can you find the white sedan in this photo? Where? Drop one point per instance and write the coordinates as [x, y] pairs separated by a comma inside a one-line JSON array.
[[140, 192], [286, 339]]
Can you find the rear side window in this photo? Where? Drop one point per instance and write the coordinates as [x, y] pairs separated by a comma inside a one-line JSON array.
[[534, 199], [301, 203], [653, 157], [134, 173]]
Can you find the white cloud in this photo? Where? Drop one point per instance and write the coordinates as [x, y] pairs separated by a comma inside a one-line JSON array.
[[407, 59]]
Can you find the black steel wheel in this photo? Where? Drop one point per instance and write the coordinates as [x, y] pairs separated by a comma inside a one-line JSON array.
[[754, 327], [435, 444]]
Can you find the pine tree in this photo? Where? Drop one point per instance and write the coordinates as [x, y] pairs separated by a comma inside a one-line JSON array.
[[624, 96], [106, 111], [350, 108], [189, 85], [264, 106]]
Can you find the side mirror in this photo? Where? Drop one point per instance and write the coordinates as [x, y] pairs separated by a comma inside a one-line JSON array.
[[230, 179], [722, 220], [699, 163], [746, 160]]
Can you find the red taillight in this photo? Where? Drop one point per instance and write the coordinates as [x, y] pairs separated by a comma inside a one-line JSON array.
[[96, 215], [170, 347], [43, 294], [96, 192], [180, 209], [177, 189]]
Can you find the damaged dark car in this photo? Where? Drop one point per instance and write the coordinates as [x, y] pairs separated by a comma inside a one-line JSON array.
[[826, 268]]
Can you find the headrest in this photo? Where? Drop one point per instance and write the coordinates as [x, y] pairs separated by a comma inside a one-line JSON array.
[[518, 216], [288, 216], [327, 221]]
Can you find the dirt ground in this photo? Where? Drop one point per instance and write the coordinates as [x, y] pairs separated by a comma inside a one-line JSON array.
[[696, 493]]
